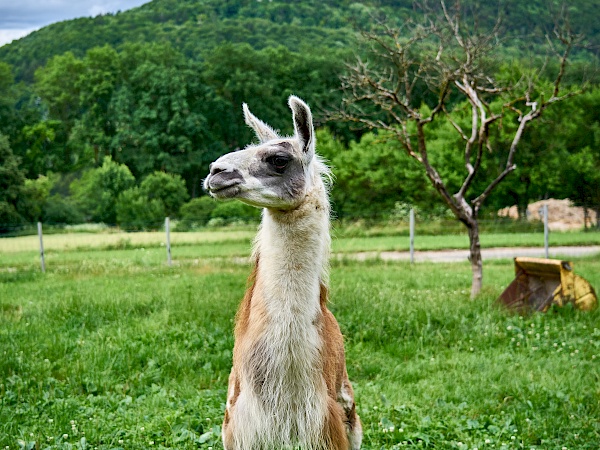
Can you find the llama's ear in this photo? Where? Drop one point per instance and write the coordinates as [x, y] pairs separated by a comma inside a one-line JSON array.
[[264, 132], [303, 124]]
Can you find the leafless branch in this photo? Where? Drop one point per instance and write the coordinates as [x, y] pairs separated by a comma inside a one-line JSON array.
[[443, 56]]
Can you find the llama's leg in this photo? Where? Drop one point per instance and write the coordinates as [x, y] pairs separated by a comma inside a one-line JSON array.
[[355, 433], [336, 437], [351, 419], [233, 391], [227, 433]]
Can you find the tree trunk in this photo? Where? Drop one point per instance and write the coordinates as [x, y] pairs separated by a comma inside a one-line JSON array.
[[522, 211], [475, 258]]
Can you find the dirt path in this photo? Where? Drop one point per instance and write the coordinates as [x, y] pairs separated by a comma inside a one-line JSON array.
[[489, 253]]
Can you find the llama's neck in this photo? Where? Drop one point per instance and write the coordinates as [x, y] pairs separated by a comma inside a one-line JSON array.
[[280, 360], [292, 249]]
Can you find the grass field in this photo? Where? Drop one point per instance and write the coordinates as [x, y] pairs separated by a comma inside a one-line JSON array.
[[236, 241], [111, 349]]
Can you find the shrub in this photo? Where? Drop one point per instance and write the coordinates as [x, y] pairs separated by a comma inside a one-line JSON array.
[[168, 189], [33, 198], [97, 190], [231, 212], [145, 207], [135, 212], [59, 210], [197, 212]]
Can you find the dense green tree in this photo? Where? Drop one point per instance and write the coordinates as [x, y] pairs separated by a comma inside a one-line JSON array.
[[581, 174], [45, 148], [12, 180], [33, 197], [265, 79], [158, 114], [94, 128], [58, 85], [169, 189], [135, 212], [238, 74], [196, 212], [583, 179], [76, 93], [97, 191], [17, 108], [6, 98], [371, 176]]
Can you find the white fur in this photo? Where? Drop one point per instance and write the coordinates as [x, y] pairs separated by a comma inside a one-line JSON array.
[[292, 261], [282, 398]]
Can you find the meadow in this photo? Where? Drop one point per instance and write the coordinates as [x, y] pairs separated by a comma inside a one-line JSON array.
[[236, 240], [112, 349]]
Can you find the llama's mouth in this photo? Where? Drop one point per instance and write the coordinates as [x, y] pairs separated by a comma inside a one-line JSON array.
[[224, 190]]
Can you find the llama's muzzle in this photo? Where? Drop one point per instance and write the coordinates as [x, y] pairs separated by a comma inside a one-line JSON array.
[[223, 180]]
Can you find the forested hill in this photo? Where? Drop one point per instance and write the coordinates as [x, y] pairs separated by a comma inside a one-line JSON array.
[[196, 26], [116, 118], [193, 27]]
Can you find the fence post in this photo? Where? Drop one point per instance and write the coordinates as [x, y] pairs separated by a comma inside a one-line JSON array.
[[168, 232], [42, 259], [412, 235], [546, 229]]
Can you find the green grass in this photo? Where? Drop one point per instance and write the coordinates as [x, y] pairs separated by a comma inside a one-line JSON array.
[[236, 242], [111, 349], [122, 240], [345, 244]]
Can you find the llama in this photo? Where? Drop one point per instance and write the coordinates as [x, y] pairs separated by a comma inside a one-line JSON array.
[[288, 386]]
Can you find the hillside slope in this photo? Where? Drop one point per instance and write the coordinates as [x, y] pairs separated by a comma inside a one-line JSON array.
[[195, 26]]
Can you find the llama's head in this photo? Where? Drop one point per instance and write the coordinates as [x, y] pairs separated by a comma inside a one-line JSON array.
[[276, 173]]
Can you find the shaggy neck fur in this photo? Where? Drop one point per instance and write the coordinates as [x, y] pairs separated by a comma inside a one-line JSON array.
[[288, 386], [291, 251]]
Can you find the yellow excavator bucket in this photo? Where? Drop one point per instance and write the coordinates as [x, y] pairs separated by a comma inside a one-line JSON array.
[[540, 283]]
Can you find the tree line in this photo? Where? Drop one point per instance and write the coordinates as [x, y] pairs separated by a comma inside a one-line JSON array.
[[145, 108], [123, 133]]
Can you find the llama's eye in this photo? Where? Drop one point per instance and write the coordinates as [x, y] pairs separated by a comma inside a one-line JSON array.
[[279, 163]]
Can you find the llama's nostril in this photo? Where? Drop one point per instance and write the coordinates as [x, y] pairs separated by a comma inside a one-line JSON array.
[[215, 169]]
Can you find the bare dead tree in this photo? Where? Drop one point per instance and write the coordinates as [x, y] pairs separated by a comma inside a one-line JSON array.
[[434, 63]]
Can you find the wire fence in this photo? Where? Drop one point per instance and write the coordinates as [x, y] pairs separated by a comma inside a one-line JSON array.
[[561, 216], [414, 223]]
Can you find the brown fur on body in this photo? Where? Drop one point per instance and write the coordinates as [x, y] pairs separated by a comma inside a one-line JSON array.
[[340, 419], [288, 387]]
